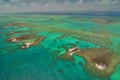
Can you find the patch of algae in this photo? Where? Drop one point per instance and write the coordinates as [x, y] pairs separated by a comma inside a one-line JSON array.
[[92, 57]]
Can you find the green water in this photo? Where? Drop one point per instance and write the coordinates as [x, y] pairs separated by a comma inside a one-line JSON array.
[[39, 62]]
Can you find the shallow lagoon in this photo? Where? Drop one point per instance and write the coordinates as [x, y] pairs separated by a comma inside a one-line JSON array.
[[41, 61]]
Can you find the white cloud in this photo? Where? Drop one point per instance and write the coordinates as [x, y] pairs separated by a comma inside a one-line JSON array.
[[7, 5], [67, 5], [67, 2], [115, 2], [33, 4], [80, 2], [106, 2], [13, 1], [46, 5], [23, 4], [1, 1]]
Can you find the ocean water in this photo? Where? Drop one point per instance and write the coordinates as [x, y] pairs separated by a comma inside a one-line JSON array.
[[39, 62]]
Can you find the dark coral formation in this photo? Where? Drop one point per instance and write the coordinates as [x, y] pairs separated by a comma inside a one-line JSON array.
[[103, 21]]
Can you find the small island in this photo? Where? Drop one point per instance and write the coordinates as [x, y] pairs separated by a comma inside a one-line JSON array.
[[27, 40], [100, 62]]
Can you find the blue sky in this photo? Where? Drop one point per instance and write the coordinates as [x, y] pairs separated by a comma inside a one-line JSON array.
[[58, 5]]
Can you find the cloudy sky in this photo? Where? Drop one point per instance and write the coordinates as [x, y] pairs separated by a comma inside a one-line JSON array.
[[58, 5]]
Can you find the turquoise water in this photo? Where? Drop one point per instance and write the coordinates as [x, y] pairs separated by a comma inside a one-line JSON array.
[[38, 62]]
